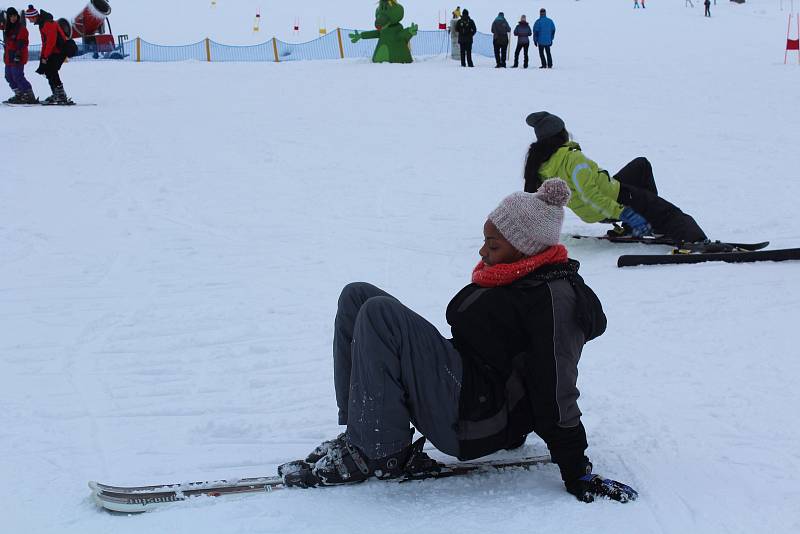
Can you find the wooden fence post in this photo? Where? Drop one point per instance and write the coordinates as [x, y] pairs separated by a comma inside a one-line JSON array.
[[341, 48], [275, 49], [208, 49], [138, 49]]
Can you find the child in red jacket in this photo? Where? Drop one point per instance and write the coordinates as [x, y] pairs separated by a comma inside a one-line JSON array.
[[52, 57], [15, 56]]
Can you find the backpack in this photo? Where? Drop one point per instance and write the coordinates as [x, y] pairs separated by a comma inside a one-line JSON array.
[[67, 45]]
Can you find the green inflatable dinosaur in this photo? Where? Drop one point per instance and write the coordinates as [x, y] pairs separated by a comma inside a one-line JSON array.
[[393, 39]]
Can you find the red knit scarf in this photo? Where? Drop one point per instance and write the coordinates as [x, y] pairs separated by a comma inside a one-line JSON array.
[[503, 274]]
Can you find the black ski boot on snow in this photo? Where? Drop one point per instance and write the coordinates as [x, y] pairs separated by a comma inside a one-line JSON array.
[[28, 98], [14, 99], [344, 463], [59, 98]]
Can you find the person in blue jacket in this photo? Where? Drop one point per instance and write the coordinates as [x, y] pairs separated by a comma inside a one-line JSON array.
[[544, 30]]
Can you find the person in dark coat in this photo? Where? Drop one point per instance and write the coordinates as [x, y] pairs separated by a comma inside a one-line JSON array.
[[544, 31], [466, 30], [52, 57], [500, 31], [15, 57], [510, 369], [523, 32], [707, 3]]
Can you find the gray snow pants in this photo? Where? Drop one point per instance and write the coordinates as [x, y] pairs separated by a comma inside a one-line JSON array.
[[392, 367]]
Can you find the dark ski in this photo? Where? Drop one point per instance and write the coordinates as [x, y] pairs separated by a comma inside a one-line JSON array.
[[708, 246], [742, 256], [41, 104], [137, 499]]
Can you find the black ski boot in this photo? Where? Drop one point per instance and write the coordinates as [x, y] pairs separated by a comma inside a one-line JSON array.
[[344, 463], [28, 98], [61, 97], [14, 99]]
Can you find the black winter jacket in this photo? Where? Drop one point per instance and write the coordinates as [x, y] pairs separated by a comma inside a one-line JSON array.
[[466, 30], [520, 345]]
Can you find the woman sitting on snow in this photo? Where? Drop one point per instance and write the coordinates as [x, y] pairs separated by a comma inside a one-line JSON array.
[[510, 369], [629, 196]]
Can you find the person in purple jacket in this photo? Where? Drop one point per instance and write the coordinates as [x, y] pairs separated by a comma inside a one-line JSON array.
[[544, 31], [523, 33]]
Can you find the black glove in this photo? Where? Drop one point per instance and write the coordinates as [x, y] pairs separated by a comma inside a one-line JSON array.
[[590, 486], [17, 58], [40, 70]]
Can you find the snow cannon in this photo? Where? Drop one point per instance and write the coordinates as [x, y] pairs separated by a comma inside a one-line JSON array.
[[90, 21]]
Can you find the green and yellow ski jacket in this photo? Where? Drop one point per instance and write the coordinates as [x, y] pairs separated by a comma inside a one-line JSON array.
[[594, 192]]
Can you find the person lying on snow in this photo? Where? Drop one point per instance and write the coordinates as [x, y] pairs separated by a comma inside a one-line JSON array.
[[510, 369], [630, 196]]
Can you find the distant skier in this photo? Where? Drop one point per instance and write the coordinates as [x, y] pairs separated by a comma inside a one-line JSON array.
[[544, 31], [510, 369], [629, 196], [500, 31], [635, 4], [15, 57], [52, 57], [466, 30], [707, 3], [523, 33]]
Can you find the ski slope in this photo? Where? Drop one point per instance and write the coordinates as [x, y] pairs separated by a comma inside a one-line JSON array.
[[170, 262]]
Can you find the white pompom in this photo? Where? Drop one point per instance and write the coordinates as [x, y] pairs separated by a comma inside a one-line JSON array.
[[555, 192]]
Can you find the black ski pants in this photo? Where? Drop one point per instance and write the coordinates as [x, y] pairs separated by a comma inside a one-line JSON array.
[[638, 190], [466, 54], [545, 51], [51, 69], [524, 47], [392, 367], [500, 51]]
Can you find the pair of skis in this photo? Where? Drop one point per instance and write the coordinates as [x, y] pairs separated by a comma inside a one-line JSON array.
[[697, 252], [40, 104], [137, 499]]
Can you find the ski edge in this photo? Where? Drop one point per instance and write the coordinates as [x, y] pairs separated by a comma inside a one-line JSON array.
[[635, 260]]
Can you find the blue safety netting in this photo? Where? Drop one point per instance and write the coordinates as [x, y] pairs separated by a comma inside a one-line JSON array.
[[425, 43]]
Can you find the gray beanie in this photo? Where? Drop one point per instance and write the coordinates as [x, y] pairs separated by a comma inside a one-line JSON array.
[[531, 222], [544, 124]]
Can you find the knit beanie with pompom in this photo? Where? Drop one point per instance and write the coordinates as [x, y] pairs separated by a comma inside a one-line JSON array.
[[531, 222]]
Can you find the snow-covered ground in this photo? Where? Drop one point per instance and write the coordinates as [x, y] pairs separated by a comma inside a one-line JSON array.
[[170, 262]]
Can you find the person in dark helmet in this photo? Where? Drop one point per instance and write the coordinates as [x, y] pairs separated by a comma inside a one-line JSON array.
[[523, 32], [15, 57], [466, 30], [53, 57], [500, 31], [509, 370], [630, 196]]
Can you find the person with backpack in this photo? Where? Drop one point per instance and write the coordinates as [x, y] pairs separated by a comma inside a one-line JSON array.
[[15, 57], [544, 31], [466, 30], [523, 33], [629, 196], [510, 369], [500, 31], [53, 55]]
